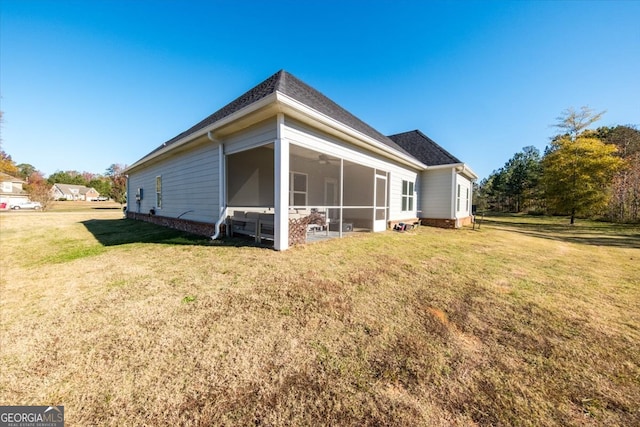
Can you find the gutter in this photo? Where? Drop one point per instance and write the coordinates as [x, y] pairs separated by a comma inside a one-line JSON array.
[[466, 170], [459, 167], [221, 195]]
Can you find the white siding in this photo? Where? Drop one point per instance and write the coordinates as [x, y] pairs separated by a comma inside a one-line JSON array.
[[465, 186], [436, 193], [395, 195], [189, 183], [254, 136]]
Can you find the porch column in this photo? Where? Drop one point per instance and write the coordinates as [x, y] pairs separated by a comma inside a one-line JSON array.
[[281, 188], [454, 193]]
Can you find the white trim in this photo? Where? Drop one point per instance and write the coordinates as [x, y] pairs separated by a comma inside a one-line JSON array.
[[453, 194], [341, 197], [293, 191], [281, 189], [357, 137], [461, 168], [409, 197], [380, 224]]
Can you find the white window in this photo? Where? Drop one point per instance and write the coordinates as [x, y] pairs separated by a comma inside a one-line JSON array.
[[458, 199], [298, 189], [159, 191], [467, 201], [6, 186], [407, 195]]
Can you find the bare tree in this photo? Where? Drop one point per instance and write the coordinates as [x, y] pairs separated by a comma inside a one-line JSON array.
[[573, 122]]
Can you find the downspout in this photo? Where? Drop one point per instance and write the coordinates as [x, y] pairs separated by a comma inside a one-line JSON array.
[[221, 172]]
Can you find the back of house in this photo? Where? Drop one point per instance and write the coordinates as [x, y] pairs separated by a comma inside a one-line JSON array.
[[283, 163]]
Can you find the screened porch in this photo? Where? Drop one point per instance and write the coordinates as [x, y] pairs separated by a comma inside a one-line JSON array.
[[328, 196]]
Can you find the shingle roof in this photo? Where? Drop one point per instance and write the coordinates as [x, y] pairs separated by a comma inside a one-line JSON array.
[[295, 88], [424, 148], [66, 188], [7, 177]]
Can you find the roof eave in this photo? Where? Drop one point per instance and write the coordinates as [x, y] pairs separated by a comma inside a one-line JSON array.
[[284, 104], [465, 170], [291, 104], [461, 168], [261, 103]]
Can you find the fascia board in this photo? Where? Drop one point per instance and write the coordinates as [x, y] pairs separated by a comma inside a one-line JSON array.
[[358, 137], [447, 166], [459, 167], [467, 171]]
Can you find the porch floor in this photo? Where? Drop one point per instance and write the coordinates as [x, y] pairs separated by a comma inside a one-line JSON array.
[[320, 236]]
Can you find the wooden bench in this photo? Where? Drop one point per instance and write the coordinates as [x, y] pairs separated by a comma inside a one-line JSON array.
[[254, 224]]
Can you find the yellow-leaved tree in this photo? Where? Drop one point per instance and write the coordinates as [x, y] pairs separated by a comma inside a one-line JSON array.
[[579, 167]]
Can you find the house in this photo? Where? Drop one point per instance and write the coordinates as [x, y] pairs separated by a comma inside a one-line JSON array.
[[444, 187], [285, 163], [11, 191], [73, 192]]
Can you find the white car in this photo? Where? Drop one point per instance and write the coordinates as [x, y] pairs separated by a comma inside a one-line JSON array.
[[27, 205]]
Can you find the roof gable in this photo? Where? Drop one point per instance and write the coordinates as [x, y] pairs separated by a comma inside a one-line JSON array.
[[68, 188], [424, 148], [294, 88]]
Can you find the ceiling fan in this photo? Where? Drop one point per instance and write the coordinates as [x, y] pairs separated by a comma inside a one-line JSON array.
[[323, 159]]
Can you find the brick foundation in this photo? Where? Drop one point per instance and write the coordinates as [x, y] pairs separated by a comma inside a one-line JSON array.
[[193, 227], [447, 223], [465, 221]]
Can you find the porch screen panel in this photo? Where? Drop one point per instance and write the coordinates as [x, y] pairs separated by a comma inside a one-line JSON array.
[[358, 211], [250, 178], [381, 198], [319, 169], [358, 185]]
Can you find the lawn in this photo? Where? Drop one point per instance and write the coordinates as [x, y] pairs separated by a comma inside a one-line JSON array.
[[527, 321]]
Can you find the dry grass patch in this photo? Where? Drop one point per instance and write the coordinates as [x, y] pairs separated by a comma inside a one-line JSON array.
[[130, 324]]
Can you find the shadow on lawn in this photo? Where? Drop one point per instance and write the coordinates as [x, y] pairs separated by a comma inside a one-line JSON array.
[[590, 233], [114, 232]]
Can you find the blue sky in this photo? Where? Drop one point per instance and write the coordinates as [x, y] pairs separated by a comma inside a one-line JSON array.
[[86, 84]]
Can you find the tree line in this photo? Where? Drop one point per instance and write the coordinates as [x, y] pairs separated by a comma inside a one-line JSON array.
[[582, 173]]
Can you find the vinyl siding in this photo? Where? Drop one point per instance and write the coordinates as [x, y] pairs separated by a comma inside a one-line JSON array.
[[254, 136], [436, 193], [189, 183]]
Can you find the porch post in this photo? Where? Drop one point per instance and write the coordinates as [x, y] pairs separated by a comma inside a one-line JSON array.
[[454, 193], [281, 188]]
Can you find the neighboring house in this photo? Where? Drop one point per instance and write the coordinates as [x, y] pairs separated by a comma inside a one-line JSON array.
[[73, 192], [286, 157], [11, 191]]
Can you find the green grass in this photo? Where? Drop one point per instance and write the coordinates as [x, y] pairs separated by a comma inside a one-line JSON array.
[[527, 321]]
